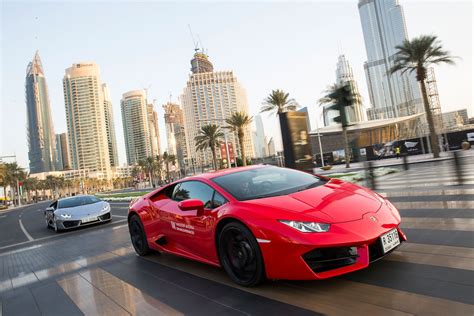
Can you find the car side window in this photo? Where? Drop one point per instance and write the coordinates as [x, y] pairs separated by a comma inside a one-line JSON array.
[[218, 200], [194, 190]]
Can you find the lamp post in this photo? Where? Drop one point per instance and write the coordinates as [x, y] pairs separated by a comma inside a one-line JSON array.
[[319, 141]]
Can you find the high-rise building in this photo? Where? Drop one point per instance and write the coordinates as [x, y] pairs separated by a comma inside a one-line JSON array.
[[175, 134], [85, 114], [40, 129], [62, 151], [259, 139], [136, 126], [210, 97], [355, 112], [391, 95], [154, 131], [271, 147], [110, 126]]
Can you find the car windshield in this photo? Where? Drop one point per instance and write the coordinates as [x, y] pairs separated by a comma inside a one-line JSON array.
[[266, 182], [77, 201]]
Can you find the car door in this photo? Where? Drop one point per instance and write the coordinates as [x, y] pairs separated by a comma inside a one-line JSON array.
[[189, 230]]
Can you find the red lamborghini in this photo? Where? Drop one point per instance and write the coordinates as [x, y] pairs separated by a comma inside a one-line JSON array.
[[267, 222]]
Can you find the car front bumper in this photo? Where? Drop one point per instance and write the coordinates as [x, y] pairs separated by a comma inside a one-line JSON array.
[[347, 247], [64, 224]]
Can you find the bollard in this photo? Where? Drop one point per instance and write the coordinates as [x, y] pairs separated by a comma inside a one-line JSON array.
[[405, 162], [458, 167], [371, 176]]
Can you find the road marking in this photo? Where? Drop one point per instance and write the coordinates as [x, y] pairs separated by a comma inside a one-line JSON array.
[[118, 227], [24, 230], [119, 216], [2, 216], [48, 237]]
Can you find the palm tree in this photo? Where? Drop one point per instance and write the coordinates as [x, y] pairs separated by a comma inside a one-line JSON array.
[[13, 173], [238, 123], [210, 136], [3, 181], [278, 102], [165, 159], [417, 55], [333, 95], [149, 168]]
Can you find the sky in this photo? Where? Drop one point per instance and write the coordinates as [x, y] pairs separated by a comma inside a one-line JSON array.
[[269, 45]]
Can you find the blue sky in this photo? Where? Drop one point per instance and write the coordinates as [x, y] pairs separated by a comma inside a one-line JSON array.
[[287, 45]]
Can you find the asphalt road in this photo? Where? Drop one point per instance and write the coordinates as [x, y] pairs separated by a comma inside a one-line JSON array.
[[27, 224], [94, 270]]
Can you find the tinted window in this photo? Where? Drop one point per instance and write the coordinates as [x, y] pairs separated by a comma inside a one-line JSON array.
[[218, 200], [265, 182], [194, 190], [77, 201]]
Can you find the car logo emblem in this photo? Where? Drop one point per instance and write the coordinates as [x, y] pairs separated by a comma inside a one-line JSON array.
[[373, 219]]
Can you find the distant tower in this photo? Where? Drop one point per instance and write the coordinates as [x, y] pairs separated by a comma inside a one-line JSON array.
[[154, 130], [259, 139], [86, 123], [210, 97], [391, 95], [174, 121], [136, 126], [110, 126], [344, 75], [41, 136]]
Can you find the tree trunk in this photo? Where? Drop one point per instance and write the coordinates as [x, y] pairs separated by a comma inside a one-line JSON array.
[[240, 134], [214, 159], [5, 195], [429, 118], [347, 155]]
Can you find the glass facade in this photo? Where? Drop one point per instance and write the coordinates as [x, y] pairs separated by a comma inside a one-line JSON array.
[[41, 136], [383, 25]]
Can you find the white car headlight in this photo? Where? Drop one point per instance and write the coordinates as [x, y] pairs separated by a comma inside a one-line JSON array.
[[307, 227], [106, 208], [66, 216]]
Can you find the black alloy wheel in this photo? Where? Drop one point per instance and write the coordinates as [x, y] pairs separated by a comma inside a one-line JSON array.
[[138, 237], [240, 255]]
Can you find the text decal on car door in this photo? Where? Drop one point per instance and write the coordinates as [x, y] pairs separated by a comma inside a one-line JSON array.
[[188, 229]]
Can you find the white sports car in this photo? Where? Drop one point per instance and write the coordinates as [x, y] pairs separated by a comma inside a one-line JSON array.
[[77, 211]]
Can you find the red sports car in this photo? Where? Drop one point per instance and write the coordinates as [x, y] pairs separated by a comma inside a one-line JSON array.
[[267, 222]]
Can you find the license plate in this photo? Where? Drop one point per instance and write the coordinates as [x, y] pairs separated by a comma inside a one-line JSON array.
[[390, 240], [89, 219]]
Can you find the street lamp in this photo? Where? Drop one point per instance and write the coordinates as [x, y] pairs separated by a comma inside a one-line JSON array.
[[319, 141]]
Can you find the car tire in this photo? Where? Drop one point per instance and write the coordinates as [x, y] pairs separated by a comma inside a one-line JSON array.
[[55, 226], [138, 236], [240, 255]]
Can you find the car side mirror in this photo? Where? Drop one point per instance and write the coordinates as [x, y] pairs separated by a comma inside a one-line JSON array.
[[50, 208], [191, 205]]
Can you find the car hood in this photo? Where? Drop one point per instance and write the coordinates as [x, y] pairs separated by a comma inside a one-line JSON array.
[[83, 210], [334, 202]]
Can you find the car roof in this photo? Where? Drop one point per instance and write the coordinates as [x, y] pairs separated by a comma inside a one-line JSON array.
[[222, 172]]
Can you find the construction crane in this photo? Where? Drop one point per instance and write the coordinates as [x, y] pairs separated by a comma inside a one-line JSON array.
[[196, 44]]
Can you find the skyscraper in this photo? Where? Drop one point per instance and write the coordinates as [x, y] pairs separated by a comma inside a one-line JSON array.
[[85, 114], [210, 97], [259, 139], [136, 126], [41, 136], [62, 152], [154, 131], [344, 75], [383, 25], [175, 135], [110, 126]]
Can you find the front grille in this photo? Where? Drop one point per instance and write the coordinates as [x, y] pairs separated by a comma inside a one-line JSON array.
[[376, 250], [325, 259], [104, 217], [69, 224]]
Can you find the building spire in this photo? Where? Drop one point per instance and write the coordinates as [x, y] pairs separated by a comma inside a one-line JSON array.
[[35, 67]]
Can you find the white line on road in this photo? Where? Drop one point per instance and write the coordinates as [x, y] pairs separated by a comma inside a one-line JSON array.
[[117, 227], [24, 230], [2, 216], [120, 216]]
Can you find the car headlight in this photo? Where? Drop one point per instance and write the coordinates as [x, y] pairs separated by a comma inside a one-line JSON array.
[[106, 208], [307, 227], [66, 216]]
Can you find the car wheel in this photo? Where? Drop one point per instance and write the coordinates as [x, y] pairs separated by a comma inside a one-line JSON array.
[[240, 255], [138, 237], [55, 225]]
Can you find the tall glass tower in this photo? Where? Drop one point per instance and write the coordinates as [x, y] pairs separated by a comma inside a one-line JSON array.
[[41, 136], [383, 25]]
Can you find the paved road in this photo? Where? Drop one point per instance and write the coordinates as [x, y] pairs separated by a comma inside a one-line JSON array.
[[94, 270]]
